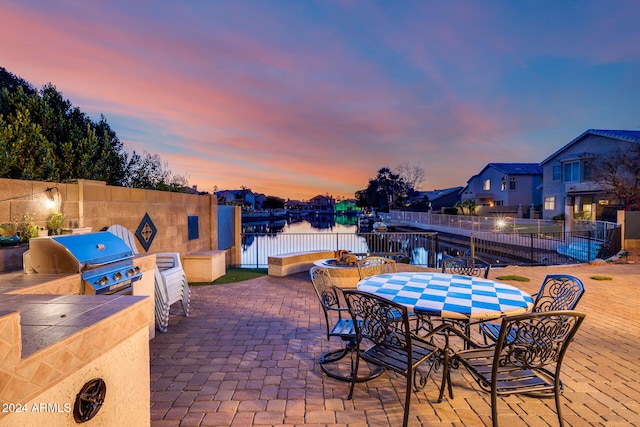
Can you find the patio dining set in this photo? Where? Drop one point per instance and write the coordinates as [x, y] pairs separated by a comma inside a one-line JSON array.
[[418, 323]]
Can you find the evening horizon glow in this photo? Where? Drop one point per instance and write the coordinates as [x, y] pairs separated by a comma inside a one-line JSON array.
[[294, 99]]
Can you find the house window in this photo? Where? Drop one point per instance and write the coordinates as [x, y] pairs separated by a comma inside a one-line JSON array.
[[499, 203], [586, 171], [572, 172], [503, 184], [486, 186], [550, 203], [512, 184], [557, 173]]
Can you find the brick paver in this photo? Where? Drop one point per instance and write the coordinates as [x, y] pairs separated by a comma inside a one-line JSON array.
[[248, 355]]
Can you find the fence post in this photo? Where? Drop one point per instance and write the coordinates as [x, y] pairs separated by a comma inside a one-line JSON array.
[[473, 246], [257, 251], [531, 257], [434, 251]]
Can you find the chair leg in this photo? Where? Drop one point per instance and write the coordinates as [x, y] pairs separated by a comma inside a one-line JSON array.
[[407, 400], [354, 377], [558, 407], [494, 407]]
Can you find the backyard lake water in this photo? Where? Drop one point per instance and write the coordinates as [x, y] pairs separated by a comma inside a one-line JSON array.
[[261, 239], [329, 233]]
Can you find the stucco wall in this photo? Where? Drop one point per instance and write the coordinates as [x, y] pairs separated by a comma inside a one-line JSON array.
[[592, 145], [97, 205], [525, 194], [630, 222], [125, 370]]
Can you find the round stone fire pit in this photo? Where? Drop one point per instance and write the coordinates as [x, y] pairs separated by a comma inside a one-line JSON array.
[[344, 276]]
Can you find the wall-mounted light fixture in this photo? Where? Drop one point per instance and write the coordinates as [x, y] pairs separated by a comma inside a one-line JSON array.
[[50, 202]]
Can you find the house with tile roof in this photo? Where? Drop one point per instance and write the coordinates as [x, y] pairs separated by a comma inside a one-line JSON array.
[[568, 187], [506, 187]]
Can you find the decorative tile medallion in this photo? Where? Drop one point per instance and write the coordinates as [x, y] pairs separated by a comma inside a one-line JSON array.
[[146, 232]]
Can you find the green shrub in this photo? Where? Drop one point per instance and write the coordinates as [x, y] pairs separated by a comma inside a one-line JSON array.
[[28, 229], [55, 222]]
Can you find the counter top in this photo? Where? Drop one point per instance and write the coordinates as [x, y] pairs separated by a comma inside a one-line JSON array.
[[47, 319]]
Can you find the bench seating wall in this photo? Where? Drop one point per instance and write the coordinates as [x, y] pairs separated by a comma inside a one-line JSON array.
[[295, 262]]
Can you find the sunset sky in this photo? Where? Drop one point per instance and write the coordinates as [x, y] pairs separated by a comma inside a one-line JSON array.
[[295, 98]]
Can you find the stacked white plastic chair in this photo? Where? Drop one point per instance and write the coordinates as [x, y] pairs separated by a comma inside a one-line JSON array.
[[170, 279]]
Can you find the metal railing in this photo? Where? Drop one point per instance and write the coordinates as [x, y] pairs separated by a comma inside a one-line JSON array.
[[418, 247], [525, 242], [501, 239], [500, 223], [546, 248]]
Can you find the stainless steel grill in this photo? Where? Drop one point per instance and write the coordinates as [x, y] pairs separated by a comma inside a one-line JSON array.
[[103, 259]]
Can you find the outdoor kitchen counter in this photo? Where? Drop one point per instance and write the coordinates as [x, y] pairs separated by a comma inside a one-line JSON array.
[[50, 345], [47, 319], [17, 282]]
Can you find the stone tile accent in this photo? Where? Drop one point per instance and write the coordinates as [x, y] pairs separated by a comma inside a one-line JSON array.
[[23, 378]]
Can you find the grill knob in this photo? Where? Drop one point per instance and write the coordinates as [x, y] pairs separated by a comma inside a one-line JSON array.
[[132, 271], [117, 276], [102, 281]]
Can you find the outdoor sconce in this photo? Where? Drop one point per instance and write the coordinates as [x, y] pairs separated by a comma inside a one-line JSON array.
[[50, 202]]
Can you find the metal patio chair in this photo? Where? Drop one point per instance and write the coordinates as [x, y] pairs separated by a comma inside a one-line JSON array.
[[385, 341], [526, 358], [466, 266], [338, 323], [558, 292], [373, 265]]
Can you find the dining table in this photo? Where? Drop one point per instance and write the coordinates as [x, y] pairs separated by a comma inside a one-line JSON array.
[[453, 298]]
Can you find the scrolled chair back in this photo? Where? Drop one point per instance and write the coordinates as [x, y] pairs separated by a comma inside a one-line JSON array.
[[535, 340], [324, 287], [378, 319], [373, 265], [466, 266], [558, 292]]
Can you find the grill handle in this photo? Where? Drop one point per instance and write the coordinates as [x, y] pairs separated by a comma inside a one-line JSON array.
[[92, 266]]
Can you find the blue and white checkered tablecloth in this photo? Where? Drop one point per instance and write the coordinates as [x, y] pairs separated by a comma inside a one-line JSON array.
[[449, 296]]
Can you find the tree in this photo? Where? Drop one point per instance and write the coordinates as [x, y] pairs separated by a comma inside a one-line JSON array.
[[149, 172], [619, 175], [469, 204], [385, 191], [26, 153], [412, 175], [273, 202], [43, 137]]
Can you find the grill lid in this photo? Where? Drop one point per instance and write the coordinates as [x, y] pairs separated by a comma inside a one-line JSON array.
[[74, 253], [95, 248]]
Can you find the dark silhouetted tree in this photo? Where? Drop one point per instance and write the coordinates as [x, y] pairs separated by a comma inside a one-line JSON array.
[[619, 175], [43, 137]]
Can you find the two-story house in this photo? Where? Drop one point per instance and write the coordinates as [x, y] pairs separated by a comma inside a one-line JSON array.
[[506, 184], [568, 186], [322, 204]]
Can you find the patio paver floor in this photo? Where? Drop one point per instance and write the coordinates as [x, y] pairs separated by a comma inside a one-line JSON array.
[[248, 356]]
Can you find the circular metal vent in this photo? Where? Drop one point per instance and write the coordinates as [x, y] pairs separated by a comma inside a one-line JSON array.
[[89, 400]]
